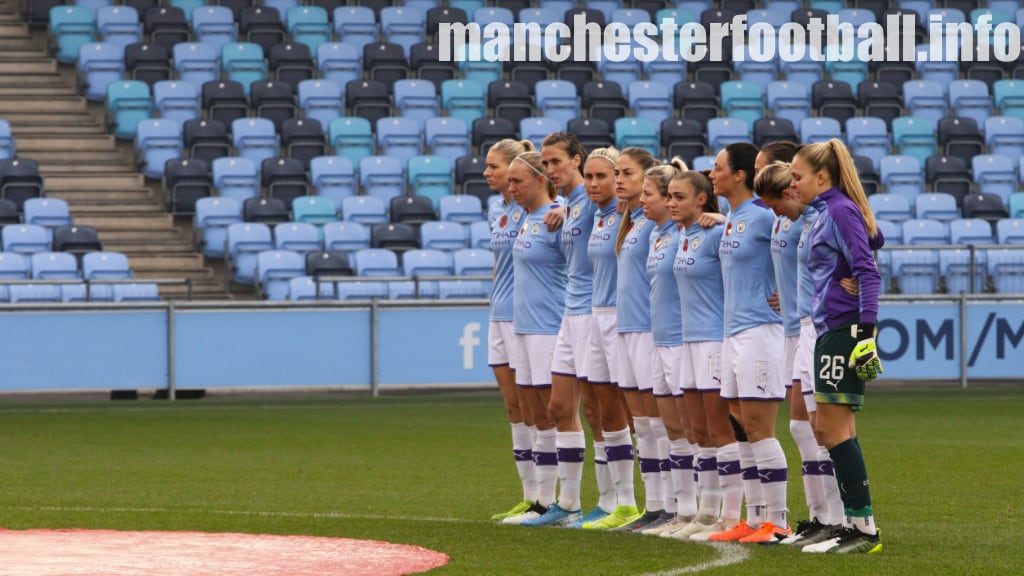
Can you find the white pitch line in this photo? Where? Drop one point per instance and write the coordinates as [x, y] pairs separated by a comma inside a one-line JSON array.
[[730, 553]]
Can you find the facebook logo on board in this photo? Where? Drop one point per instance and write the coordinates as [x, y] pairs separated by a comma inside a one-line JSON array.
[[469, 342]]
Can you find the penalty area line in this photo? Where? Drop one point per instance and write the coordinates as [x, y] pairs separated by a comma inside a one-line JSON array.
[[730, 554]]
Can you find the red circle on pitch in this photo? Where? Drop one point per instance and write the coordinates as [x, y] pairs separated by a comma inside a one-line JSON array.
[[107, 552]]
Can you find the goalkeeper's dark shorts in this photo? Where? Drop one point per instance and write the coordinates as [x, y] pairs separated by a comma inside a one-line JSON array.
[[834, 381]]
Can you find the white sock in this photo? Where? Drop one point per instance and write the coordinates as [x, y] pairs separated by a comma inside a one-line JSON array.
[[683, 483], [522, 450], [830, 487], [751, 486], [572, 450], [774, 474], [865, 524], [730, 478], [650, 469], [605, 486], [709, 491], [664, 466], [810, 471], [546, 460], [621, 464]]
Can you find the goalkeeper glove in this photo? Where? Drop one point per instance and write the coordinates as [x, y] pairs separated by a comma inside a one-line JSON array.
[[864, 358]]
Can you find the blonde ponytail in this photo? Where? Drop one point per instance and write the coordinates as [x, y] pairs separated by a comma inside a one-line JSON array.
[[835, 160]]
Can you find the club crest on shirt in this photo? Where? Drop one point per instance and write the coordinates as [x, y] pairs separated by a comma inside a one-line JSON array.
[[503, 221], [787, 225], [741, 227], [576, 211], [535, 229], [517, 215], [611, 220], [695, 244]]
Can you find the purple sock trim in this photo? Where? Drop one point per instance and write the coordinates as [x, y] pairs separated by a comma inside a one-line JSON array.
[[522, 455], [649, 465], [545, 458], [769, 476], [570, 454], [619, 453], [750, 473], [730, 468]]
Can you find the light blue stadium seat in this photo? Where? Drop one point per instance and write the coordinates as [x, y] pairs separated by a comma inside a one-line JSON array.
[[417, 263], [364, 210], [469, 262], [305, 288], [462, 208], [399, 138], [743, 101], [157, 140], [315, 210], [651, 101], [7, 142], [47, 212], [321, 100], [404, 26], [936, 206], [624, 73], [243, 62], [489, 14], [333, 177], [71, 293], [464, 99], [443, 236], [119, 25], [1005, 267], [27, 293], [431, 177], [477, 69], [638, 132], [940, 72], [557, 99], [417, 99], [853, 72], [701, 163], [297, 237], [665, 71], [535, 129], [630, 16], [1010, 231], [356, 26], [376, 262], [54, 266], [99, 64], [970, 99], [994, 175], [100, 266], [448, 138], [255, 139], [339, 62], [772, 16], [970, 231], [805, 71], [750, 71], [893, 207], [869, 137], [725, 131], [916, 271], [244, 242], [382, 176], [177, 100], [925, 232], [70, 28], [186, 6], [856, 16], [196, 63], [362, 290], [274, 271], [1004, 136], [892, 231], [346, 236], [914, 137], [136, 292], [790, 101], [902, 175], [813, 130], [309, 25], [236, 178], [128, 103], [542, 16], [13, 266], [351, 137], [480, 235], [214, 25], [212, 218], [25, 238], [955, 267], [1008, 96]]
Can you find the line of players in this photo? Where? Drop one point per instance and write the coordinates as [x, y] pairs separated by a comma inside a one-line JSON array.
[[619, 284]]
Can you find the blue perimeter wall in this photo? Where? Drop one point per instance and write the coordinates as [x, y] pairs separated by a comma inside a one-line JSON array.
[[49, 350]]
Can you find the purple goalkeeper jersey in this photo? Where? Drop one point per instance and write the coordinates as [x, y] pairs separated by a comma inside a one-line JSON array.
[[840, 248]]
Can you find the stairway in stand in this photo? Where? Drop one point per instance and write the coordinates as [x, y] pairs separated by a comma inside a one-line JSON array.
[[82, 164]]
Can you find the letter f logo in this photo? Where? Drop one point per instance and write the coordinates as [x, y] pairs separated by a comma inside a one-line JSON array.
[[469, 342]]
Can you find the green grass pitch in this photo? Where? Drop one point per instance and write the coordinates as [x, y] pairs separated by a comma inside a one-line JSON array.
[[946, 471]]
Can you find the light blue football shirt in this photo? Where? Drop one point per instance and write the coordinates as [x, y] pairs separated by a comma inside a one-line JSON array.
[[747, 273], [579, 221], [601, 251], [504, 229], [785, 239], [538, 299], [634, 288], [698, 273], [666, 314], [804, 280]]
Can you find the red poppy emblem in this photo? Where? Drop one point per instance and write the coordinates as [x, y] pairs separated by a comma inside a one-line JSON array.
[[504, 221], [686, 244], [600, 223], [728, 229], [778, 223]]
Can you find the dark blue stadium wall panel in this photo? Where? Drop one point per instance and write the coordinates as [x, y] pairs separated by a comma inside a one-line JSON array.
[[80, 350], [272, 348], [433, 346]]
